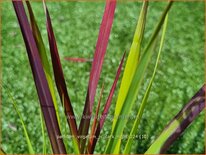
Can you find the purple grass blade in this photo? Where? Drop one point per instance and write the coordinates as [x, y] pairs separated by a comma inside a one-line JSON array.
[[45, 98], [179, 123], [99, 54], [106, 107], [59, 76]]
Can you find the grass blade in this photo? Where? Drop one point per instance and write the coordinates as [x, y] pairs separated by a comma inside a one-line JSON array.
[[43, 134], [131, 65], [99, 54], [43, 57], [59, 77], [179, 123], [135, 85], [144, 101], [29, 145], [42, 87], [94, 125], [106, 107]]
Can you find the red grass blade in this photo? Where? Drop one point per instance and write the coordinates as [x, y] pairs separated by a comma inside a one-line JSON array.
[[106, 108], [99, 54], [94, 125], [59, 76], [78, 59], [45, 98]]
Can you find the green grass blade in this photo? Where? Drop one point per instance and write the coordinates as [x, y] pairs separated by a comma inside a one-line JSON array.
[[132, 61], [29, 145], [131, 65], [179, 123], [135, 85], [43, 133], [43, 57], [144, 101], [130, 99]]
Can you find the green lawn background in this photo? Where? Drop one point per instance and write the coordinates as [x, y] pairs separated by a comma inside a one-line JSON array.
[[76, 25]]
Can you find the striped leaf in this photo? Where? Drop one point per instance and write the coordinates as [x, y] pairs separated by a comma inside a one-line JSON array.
[[179, 123]]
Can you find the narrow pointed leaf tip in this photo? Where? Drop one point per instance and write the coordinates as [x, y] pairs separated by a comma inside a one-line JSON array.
[[131, 65], [101, 46], [43, 56], [97, 63], [132, 60], [46, 66], [179, 123], [40, 80], [59, 78]]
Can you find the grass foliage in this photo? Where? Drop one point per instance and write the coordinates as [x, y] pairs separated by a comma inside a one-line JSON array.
[[179, 75]]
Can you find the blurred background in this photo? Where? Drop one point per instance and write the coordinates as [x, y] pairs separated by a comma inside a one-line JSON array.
[[76, 24]]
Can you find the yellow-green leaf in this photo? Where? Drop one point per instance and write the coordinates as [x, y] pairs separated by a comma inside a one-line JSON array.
[[131, 65], [144, 101], [135, 84]]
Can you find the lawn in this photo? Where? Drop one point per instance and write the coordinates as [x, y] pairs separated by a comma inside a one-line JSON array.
[[76, 24]]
